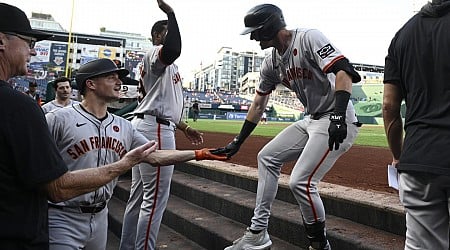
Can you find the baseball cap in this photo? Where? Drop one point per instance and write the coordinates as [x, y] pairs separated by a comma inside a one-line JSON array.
[[96, 68], [14, 20], [32, 84]]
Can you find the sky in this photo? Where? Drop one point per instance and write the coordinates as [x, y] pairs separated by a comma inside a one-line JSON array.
[[361, 29]]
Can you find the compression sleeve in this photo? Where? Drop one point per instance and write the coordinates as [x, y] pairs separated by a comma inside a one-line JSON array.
[[344, 64], [171, 49]]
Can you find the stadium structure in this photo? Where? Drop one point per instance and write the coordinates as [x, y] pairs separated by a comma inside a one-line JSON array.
[[224, 88]]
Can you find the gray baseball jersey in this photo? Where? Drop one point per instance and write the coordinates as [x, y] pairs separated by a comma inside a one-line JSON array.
[[162, 97], [159, 98], [85, 142], [52, 105], [302, 69]]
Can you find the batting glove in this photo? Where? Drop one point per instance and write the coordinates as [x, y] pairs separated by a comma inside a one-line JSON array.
[[337, 130], [205, 154], [230, 149]]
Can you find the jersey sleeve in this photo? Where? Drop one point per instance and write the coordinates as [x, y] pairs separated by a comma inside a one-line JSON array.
[[324, 53], [156, 65], [34, 151], [270, 75], [391, 70]]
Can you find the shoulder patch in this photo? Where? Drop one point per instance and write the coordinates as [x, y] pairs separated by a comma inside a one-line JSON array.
[[325, 51]]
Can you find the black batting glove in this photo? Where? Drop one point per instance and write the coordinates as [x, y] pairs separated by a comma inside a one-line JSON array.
[[337, 130], [230, 149]]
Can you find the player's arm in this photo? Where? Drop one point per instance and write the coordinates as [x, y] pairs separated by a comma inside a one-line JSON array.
[[393, 124], [72, 184], [171, 157], [171, 49], [345, 76], [253, 116]]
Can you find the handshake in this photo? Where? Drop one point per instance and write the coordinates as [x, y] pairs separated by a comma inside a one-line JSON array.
[[207, 154]]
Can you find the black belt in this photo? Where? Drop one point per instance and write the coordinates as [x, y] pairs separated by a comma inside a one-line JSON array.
[[80, 209], [158, 120], [317, 116]]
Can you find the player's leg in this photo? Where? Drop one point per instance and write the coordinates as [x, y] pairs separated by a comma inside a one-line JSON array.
[[156, 187], [99, 231], [314, 162], [67, 230], [132, 210], [426, 200], [284, 147]]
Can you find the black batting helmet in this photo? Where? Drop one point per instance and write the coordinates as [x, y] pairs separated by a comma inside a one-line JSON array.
[[263, 21], [96, 68]]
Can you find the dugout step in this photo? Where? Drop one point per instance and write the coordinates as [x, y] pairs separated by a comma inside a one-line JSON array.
[[374, 209], [285, 222], [167, 238]]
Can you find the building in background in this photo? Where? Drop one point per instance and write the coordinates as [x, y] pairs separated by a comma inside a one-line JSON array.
[[226, 71]]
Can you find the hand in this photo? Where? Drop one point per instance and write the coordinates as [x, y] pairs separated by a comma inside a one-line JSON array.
[[164, 6], [140, 153], [205, 154], [337, 130], [193, 135], [230, 149]]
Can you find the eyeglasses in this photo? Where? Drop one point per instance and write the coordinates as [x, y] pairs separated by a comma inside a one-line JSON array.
[[30, 40]]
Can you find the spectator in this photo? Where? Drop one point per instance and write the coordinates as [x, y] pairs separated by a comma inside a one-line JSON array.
[[32, 92]]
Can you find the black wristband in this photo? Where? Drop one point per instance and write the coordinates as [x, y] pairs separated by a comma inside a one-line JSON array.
[[341, 101], [246, 130]]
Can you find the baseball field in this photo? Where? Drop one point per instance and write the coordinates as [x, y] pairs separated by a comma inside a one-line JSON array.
[[362, 167], [369, 135]]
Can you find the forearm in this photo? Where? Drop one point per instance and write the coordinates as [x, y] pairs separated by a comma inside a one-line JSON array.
[[392, 119], [257, 108], [343, 81], [394, 135], [75, 183], [170, 157]]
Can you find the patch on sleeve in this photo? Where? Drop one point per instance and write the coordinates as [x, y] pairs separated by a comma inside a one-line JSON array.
[[325, 51]]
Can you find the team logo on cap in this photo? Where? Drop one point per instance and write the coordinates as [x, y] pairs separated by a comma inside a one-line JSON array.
[[325, 51]]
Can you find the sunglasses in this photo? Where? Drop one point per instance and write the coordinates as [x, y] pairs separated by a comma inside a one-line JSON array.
[[31, 41]]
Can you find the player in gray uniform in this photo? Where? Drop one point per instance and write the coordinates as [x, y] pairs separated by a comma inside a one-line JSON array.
[[157, 116], [306, 62], [63, 91], [87, 135]]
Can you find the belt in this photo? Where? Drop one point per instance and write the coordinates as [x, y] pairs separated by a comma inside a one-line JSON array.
[[317, 116], [81, 209], [158, 120]]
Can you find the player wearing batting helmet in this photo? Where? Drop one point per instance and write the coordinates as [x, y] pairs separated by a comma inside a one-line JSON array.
[[305, 61]]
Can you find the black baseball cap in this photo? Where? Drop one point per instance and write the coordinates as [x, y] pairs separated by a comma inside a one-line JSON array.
[[14, 20], [95, 68]]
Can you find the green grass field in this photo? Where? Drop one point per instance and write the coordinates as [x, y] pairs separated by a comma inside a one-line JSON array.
[[369, 135]]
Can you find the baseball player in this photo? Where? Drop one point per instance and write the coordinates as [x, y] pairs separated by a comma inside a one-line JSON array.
[[158, 114], [63, 91], [306, 62], [87, 135]]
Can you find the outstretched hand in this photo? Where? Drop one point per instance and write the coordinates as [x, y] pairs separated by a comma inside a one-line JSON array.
[[164, 6], [206, 154], [195, 136], [229, 150]]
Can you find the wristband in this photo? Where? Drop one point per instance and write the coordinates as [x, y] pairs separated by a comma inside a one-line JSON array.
[[246, 130], [341, 101], [186, 129]]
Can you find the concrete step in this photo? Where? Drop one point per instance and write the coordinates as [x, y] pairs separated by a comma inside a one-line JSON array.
[[371, 208], [167, 238], [211, 204], [285, 222]]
